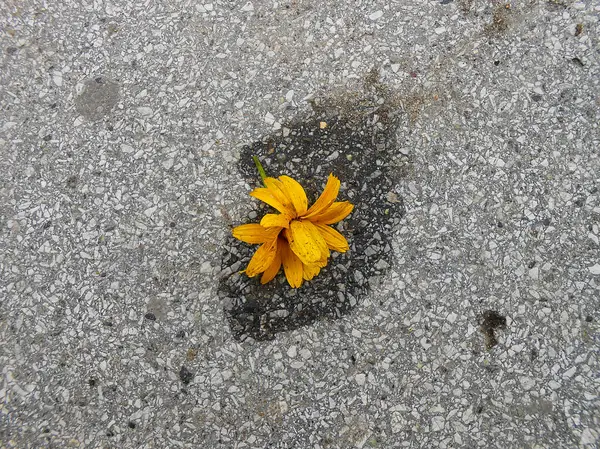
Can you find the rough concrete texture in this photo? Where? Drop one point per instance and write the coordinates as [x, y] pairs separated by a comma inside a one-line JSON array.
[[468, 315]]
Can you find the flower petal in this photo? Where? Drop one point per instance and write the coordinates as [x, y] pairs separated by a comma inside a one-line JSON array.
[[307, 242], [262, 259], [275, 221], [310, 271], [296, 193], [267, 196], [278, 190], [273, 269], [322, 263], [334, 239], [254, 233], [292, 266], [336, 212], [326, 199]]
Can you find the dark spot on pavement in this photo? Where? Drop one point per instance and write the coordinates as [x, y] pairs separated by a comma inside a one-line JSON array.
[[358, 145], [577, 62], [491, 368], [150, 316], [185, 375], [536, 97], [98, 97], [533, 354], [72, 181], [489, 322]]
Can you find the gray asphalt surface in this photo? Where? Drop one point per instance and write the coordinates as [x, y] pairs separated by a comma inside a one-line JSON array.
[[469, 315]]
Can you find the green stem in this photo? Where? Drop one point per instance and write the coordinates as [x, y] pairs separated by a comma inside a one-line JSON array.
[[259, 167]]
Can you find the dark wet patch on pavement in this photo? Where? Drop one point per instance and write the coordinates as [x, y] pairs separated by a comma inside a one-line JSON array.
[[357, 144]]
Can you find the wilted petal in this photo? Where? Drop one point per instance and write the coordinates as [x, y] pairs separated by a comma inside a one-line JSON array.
[[275, 221], [292, 266], [273, 269], [266, 196], [326, 199], [334, 239], [322, 263], [263, 257], [278, 190], [307, 242], [310, 271], [334, 213], [295, 192], [254, 233]]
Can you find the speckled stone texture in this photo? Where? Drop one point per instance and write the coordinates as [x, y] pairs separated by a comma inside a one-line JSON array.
[[125, 130]]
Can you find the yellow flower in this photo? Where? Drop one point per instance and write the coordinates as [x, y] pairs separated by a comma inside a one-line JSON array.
[[298, 237]]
